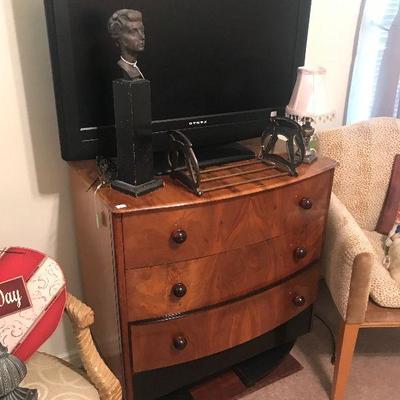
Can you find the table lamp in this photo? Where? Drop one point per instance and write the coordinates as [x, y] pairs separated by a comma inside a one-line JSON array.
[[309, 104]]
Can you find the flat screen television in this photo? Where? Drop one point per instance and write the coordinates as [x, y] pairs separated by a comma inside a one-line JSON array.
[[217, 68]]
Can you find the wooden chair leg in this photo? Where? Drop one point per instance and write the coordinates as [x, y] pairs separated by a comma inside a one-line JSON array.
[[346, 344]]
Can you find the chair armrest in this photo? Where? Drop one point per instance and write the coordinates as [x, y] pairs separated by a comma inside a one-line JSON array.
[[347, 263], [102, 378]]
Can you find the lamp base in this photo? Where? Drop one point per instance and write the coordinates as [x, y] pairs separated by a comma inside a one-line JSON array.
[[310, 156], [308, 132]]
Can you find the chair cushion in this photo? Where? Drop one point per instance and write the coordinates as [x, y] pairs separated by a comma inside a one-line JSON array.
[[55, 379], [365, 152], [384, 289]]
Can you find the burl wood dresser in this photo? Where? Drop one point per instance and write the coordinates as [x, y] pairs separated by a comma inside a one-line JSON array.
[[184, 286]]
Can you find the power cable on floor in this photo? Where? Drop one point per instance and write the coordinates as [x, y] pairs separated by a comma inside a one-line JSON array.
[[333, 358]]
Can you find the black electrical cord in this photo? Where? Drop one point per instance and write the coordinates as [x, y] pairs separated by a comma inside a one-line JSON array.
[[333, 358]]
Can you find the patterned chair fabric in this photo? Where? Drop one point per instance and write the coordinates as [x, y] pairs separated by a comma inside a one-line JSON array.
[[365, 152], [56, 380]]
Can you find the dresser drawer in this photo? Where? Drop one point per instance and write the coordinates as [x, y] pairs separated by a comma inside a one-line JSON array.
[[188, 285], [196, 335], [168, 236]]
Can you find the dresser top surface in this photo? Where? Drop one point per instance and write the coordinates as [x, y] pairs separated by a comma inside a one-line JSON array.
[[174, 195]]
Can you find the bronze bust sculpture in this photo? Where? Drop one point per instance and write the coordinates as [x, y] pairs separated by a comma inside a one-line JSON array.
[[127, 29]]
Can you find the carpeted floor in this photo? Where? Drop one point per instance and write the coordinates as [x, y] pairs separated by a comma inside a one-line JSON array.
[[375, 373]]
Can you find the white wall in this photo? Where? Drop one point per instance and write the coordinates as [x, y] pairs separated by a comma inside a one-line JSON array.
[[35, 201], [331, 34]]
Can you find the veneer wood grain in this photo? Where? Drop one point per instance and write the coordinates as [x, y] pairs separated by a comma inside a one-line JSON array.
[[218, 278], [220, 328], [217, 227], [173, 195]]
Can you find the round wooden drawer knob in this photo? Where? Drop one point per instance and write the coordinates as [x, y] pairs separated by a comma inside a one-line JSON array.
[[180, 342], [179, 236], [299, 301], [306, 203], [179, 290], [300, 252]]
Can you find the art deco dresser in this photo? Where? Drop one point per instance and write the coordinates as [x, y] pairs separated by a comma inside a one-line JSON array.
[[183, 286]]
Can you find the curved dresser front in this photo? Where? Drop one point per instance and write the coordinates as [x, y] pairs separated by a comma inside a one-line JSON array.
[[190, 278]]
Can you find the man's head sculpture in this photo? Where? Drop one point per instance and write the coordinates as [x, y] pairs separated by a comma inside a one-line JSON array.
[[127, 29]]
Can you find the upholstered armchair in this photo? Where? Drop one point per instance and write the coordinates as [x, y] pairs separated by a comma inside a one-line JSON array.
[[363, 290], [55, 379]]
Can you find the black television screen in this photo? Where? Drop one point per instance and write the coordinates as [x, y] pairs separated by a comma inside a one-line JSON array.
[[227, 63]]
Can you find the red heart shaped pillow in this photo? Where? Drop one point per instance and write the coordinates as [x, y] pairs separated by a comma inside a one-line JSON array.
[[32, 299]]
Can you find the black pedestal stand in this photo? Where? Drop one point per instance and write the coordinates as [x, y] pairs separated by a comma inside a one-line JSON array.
[[137, 190], [132, 106]]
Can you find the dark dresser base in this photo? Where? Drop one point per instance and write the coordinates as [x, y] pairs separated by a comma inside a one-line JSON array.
[[153, 384]]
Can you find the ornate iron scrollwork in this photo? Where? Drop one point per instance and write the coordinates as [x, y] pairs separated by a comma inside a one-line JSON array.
[[185, 168], [291, 131]]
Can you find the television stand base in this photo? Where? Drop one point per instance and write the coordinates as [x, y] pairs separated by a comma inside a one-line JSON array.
[[207, 156]]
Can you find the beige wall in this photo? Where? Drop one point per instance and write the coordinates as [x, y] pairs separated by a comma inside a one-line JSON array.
[[35, 201]]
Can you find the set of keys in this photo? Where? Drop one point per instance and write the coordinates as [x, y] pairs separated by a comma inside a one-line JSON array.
[[107, 172]]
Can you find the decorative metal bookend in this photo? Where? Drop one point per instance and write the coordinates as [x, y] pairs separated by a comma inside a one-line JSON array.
[[292, 133], [181, 147], [185, 168], [12, 372]]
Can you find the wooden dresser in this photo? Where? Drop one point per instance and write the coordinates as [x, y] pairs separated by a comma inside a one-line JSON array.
[[183, 285]]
